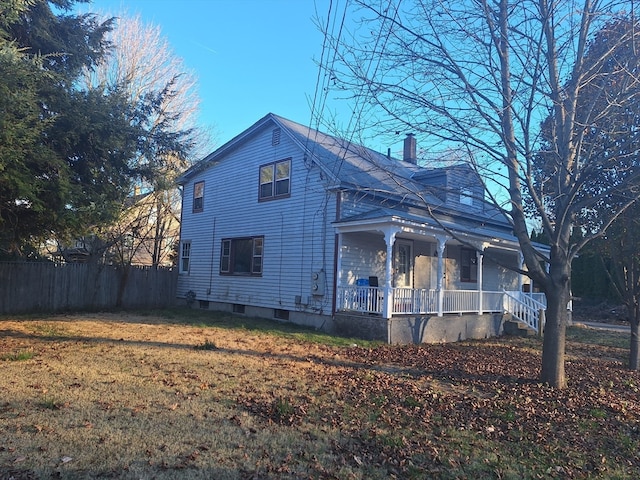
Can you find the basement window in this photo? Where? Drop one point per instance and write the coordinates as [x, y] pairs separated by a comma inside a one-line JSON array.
[[238, 308]]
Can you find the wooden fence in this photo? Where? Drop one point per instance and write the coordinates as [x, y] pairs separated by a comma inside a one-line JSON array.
[[49, 287]]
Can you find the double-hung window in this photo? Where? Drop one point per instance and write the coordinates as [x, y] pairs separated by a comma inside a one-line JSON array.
[[241, 256], [468, 265], [185, 257], [275, 180], [198, 197]]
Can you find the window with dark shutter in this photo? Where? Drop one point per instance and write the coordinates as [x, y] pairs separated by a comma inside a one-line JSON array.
[[242, 256], [468, 265]]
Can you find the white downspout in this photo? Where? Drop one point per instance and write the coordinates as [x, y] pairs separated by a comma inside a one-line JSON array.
[[479, 261], [339, 290], [387, 306]]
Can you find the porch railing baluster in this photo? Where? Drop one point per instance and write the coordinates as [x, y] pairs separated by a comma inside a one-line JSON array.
[[423, 301]]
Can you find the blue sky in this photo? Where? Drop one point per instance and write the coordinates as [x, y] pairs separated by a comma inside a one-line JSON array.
[[251, 57]]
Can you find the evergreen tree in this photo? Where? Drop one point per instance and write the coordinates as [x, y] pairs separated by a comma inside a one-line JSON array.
[[67, 154]]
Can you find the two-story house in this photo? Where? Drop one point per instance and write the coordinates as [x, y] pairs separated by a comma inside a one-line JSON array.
[[286, 222]]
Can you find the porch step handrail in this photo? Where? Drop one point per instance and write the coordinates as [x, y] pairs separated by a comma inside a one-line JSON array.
[[525, 309]]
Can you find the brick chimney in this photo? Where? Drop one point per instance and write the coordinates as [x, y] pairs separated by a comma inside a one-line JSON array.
[[409, 154]]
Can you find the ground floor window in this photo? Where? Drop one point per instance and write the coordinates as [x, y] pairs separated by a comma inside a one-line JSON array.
[[468, 265], [185, 256], [241, 256]]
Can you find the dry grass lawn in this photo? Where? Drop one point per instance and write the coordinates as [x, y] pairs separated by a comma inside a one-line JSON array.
[[146, 396]]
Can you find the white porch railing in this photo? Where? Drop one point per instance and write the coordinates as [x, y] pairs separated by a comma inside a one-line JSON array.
[[412, 301], [527, 308], [421, 301], [360, 299]]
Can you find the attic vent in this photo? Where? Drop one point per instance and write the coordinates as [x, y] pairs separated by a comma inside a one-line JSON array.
[[275, 137]]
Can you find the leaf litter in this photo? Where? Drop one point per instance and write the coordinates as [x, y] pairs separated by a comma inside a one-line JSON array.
[[283, 408]]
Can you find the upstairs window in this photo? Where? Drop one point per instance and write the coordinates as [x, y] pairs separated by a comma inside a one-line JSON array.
[[275, 180], [198, 197], [241, 256], [466, 196], [468, 265]]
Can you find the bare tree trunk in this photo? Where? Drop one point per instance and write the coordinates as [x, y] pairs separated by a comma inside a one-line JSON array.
[[553, 350], [634, 345], [558, 293]]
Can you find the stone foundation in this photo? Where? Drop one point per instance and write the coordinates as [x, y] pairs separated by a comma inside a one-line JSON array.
[[419, 329], [397, 330]]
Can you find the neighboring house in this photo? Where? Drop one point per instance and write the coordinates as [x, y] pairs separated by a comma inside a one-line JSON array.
[[77, 253], [146, 234], [148, 231], [289, 223]]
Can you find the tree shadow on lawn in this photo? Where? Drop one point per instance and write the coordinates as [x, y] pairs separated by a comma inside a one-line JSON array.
[[352, 358], [185, 316], [451, 363]]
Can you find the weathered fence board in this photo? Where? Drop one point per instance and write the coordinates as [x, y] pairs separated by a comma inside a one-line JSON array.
[[49, 287]]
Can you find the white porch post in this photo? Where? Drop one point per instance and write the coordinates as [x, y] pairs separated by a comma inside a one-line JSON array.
[[339, 267], [338, 292], [479, 262], [442, 240], [387, 304]]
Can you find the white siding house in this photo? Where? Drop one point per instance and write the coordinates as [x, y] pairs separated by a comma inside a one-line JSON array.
[[286, 222]]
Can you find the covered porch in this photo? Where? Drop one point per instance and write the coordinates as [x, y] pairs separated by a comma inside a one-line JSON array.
[[394, 267]]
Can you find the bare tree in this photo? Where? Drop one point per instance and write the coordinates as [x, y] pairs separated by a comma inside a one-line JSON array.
[[481, 76], [142, 64], [620, 254]]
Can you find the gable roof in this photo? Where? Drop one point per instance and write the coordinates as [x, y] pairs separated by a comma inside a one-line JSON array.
[[350, 166]]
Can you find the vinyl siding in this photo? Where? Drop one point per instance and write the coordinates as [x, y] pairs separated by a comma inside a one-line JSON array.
[[363, 255], [496, 277], [298, 238]]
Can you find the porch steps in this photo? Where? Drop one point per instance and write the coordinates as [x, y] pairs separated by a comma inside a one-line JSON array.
[[515, 328]]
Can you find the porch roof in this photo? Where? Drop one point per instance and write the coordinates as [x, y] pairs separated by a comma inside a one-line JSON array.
[[412, 222]]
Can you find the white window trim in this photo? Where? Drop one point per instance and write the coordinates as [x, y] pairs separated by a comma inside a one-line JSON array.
[[183, 244]]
